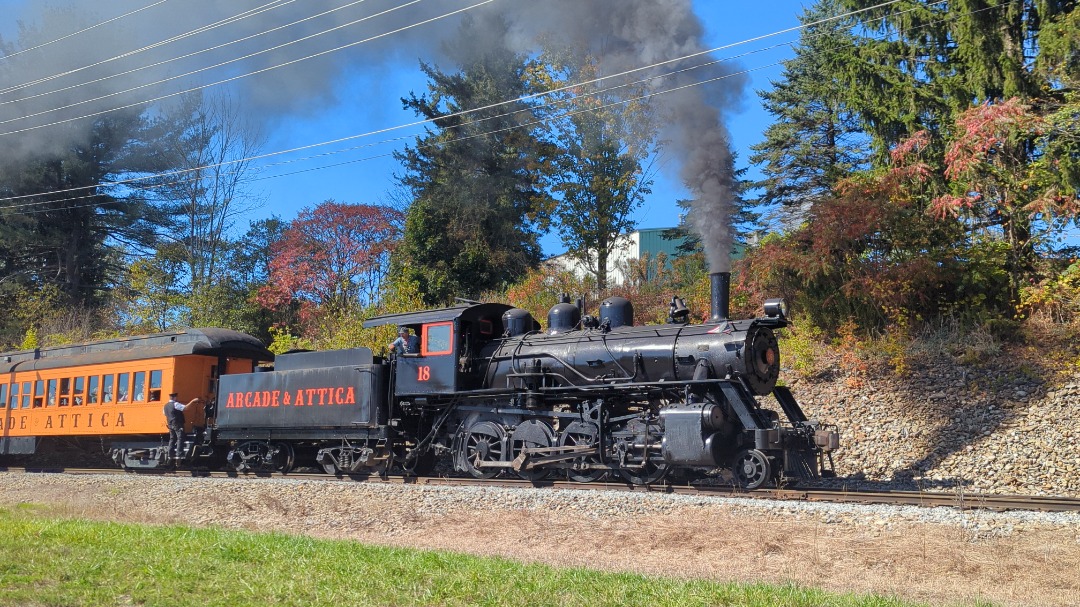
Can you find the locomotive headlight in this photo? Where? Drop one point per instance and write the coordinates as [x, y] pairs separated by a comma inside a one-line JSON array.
[[775, 308]]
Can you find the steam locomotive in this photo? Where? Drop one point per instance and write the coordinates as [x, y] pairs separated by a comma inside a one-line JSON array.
[[490, 393]]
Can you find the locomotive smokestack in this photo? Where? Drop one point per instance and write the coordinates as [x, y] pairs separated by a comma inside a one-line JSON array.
[[721, 295]]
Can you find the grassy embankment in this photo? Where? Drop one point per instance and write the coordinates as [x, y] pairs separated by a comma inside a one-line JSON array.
[[49, 561]]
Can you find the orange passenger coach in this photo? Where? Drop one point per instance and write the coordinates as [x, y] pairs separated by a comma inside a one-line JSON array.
[[116, 389]]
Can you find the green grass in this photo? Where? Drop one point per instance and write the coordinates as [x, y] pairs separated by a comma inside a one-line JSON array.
[[48, 561]]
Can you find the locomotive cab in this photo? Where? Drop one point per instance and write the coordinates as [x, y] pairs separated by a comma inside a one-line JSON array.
[[450, 341]]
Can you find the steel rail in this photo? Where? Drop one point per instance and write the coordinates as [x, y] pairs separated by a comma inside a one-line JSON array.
[[926, 499]]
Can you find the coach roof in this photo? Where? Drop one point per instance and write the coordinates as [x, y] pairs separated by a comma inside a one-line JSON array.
[[207, 341]]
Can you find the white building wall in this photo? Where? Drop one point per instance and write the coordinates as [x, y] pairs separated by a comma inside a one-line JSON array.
[[627, 247]]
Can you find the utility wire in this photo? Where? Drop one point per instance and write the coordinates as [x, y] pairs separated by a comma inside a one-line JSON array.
[[85, 29], [467, 137], [277, 4], [133, 182], [472, 110], [194, 32], [689, 56], [248, 56]]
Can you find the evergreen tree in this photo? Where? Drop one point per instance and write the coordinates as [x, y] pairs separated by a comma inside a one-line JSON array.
[[816, 139], [922, 63], [61, 234], [477, 204]]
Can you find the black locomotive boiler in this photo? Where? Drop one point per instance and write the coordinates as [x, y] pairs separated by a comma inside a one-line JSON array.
[[586, 398]]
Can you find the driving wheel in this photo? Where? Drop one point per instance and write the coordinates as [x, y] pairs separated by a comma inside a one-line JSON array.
[[531, 434], [582, 434], [483, 442]]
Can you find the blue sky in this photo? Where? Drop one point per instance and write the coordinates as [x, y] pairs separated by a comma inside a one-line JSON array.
[[366, 99], [369, 181]]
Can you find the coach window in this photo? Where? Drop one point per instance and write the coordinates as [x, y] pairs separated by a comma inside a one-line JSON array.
[[3, 396], [122, 385], [139, 388], [14, 395], [51, 401], [438, 339], [107, 388], [39, 393], [65, 391], [77, 397], [26, 394], [92, 391], [155, 386]]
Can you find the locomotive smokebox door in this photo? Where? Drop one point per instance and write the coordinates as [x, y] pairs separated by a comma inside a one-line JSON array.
[[434, 369]]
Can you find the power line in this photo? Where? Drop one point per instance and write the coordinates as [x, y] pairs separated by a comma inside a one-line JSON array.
[[464, 112], [465, 138], [172, 173], [135, 181], [239, 77], [85, 29], [227, 21], [248, 56], [690, 56]]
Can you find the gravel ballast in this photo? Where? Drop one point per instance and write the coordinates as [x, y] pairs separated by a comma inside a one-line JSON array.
[[936, 554]]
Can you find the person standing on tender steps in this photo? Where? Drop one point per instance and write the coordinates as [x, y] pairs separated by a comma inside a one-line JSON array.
[[174, 418]]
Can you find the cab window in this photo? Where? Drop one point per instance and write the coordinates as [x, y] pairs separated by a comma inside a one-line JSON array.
[[438, 339]]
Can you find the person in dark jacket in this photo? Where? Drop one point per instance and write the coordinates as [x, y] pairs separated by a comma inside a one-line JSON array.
[[174, 418]]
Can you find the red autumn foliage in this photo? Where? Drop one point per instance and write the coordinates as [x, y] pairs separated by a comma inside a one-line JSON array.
[[333, 255], [864, 254]]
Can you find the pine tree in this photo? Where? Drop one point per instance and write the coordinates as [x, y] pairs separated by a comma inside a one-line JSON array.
[[816, 139], [477, 205]]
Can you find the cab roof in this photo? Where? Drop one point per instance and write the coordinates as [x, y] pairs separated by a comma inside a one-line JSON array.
[[423, 317]]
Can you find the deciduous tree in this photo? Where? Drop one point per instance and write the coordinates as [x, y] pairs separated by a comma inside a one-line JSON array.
[[333, 257], [601, 171]]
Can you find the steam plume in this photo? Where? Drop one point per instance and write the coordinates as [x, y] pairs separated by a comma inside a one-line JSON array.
[[622, 34]]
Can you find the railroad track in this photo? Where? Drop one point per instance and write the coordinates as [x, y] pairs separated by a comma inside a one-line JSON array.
[[957, 500]]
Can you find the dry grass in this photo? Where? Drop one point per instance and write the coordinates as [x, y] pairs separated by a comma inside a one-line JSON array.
[[942, 565]]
